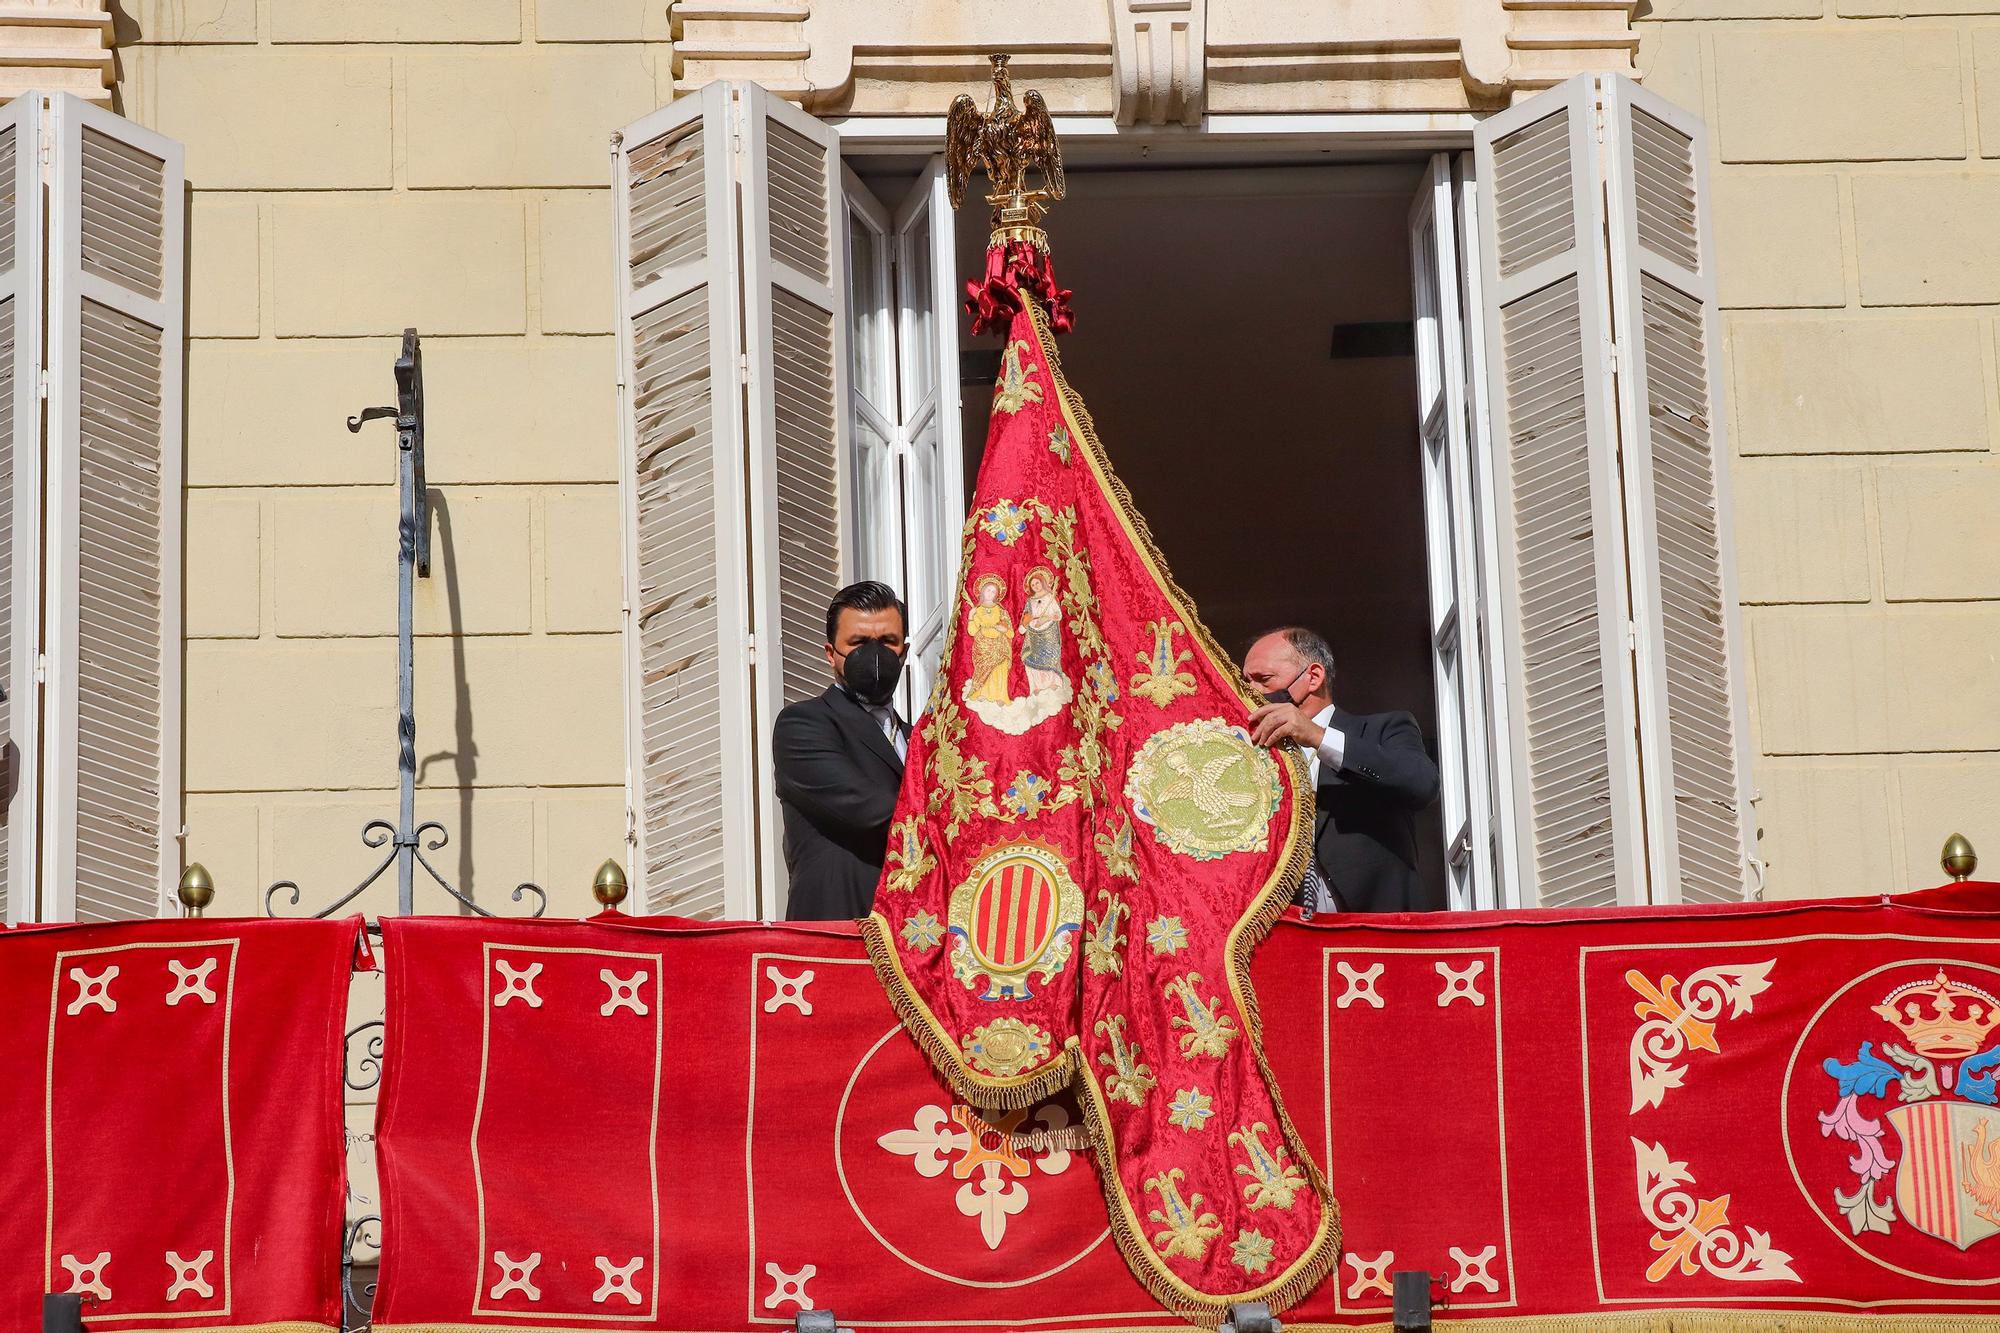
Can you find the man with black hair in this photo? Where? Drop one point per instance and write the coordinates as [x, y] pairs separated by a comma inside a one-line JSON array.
[[1370, 776], [839, 759]]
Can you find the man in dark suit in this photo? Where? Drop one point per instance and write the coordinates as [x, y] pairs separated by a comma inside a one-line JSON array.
[[1369, 771], [839, 760]]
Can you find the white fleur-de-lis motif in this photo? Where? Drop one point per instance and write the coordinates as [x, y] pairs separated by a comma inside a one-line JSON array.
[[788, 990], [191, 983], [517, 983], [517, 1274], [624, 992], [188, 1274], [86, 1277], [789, 1286], [93, 990], [1370, 1274], [929, 1142], [1472, 1269], [1360, 985], [1461, 983], [992, 1200], [617, 1280]]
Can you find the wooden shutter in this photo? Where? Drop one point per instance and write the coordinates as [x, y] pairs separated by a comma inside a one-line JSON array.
[[1553, 418], [1600, 675], [1692, 706], [730, 260], [20, 497], [116, 327]]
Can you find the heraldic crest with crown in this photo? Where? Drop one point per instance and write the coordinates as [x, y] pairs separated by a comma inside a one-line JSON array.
[[1088, 844]]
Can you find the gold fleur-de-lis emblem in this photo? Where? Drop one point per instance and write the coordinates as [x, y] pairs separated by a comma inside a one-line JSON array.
[[1208, 1030], [1130, 1079], [1160, 677], [1185, 1230], [1103, 951], [1275, 1181]]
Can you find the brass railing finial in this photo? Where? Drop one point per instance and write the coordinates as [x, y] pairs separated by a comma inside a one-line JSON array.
[[1007, 142], [196, 890], [609, 886], [1958, 858]]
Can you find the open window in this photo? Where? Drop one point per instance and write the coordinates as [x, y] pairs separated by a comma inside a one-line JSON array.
[[92, 325], [1513, 521]]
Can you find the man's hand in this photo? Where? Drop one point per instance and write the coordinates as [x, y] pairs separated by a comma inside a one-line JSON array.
[[1285, 724]]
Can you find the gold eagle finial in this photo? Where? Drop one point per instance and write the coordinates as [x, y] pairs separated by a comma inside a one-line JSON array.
[[1008, 142]]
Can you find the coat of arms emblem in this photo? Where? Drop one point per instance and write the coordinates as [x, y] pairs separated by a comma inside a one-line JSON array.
[[1939, 1071], [1016, 916]]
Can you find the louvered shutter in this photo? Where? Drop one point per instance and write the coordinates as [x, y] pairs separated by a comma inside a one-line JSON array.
[[730, 262], [1620, 668], [1692, 706], [683, 468], [1550, 386], [116, 327], [20, 497]]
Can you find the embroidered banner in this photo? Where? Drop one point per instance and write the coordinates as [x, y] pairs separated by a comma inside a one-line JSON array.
[[1086, 849], [172, 1092], [1702, 1118]]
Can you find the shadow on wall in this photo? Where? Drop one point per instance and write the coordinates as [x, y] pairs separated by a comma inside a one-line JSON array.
[[464, 753]]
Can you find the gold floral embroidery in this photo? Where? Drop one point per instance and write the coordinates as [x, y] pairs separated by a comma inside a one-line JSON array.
[[1015, 389], [959, 781], [1161, 678], [1251, 1251], [909, 855], [1275, 1181], [923, 930], [1192, 1109], [1114, 845], [1103, 950], [1130, 1078], [1165, 935], [1187, 1230], [1209, 1030], [1059, 442]]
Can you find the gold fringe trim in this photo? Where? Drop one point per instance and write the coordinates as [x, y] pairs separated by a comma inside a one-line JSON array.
[[1311, 1267], [283, 1326], [1689, 1321]]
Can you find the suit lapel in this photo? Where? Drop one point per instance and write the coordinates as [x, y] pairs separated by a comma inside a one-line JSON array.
[[860, 725]]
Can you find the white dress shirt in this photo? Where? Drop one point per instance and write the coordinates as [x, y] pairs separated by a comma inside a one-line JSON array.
[[1332, 746], [892, 727]]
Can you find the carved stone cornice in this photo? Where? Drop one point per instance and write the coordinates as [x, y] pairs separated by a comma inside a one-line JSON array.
[[1154, 62], [60, 46]]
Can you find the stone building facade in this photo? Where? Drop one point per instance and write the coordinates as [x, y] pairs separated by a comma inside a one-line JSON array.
[[357, 167]]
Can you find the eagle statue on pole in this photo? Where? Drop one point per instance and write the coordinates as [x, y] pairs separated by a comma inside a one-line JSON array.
[[1007, 141]]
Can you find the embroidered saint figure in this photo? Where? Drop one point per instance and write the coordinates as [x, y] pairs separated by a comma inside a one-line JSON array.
[[987, 689], [992, 634], [1041, 620]]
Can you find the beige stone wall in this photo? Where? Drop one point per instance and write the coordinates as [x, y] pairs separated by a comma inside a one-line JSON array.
[[360, 165], [1857, 192]]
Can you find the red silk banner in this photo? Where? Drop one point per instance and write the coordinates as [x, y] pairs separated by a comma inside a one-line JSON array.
[[172, 1096], [1750, 1117], [1087, 846]]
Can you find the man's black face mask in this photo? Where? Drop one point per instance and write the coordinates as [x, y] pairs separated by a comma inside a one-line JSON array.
[[1284, 696], [870, 672]]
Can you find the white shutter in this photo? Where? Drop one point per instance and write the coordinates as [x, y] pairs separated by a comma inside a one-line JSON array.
[[1451, 531], [691, 732], [933, 460], [20, 498], [875, 516], [116, 325], [1692, 706], [732, 373], [1624, 688], [1550, 385], [794, 269]]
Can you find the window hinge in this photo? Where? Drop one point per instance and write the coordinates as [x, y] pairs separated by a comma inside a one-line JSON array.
[[750, 647], [1631, 636], [743, 368], [42, 383], [41, 668]]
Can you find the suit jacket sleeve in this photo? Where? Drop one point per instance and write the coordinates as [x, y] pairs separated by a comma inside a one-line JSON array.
[[819, 774], [1393, 761]]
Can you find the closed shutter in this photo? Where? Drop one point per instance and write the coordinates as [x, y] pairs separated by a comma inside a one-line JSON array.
[[732, 374], [1599, 673], [116, 326], [1690, 644], [20, 497]]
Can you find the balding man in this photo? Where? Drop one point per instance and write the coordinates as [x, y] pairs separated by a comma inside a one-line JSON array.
[[1369, 772]]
